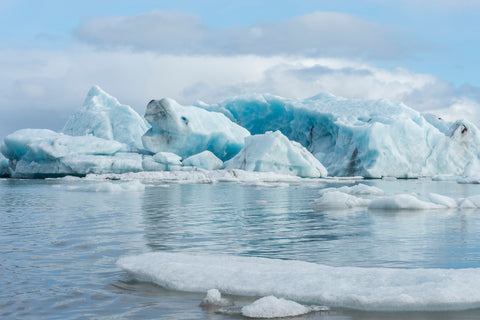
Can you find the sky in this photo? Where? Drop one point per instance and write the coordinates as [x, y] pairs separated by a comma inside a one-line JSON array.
[[424, 53]]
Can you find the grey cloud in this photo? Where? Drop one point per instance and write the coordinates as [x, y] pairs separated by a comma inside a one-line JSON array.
[[160, 31], [315, 34]]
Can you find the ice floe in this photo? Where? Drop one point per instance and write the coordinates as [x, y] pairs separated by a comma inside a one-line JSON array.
[[385, 289]]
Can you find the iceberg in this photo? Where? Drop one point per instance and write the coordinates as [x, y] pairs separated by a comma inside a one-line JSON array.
[[273, 152], [370, 138], [380, 289], [204, 160], [4, 172], [104, 117], [39, 153], [187, 131]]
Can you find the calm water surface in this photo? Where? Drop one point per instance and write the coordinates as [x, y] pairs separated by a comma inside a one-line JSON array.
[[59, 244]]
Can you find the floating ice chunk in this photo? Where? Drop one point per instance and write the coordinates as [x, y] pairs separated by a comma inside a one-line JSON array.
[[104, 117], [273, 307], [205, 160], [385, 289], [403, 202], [214, 298], [130, 186], [371, 138], [445, 177], [190, 130], [273, 152], [339, 200], [443, 200], [359, 189], [474, 179]]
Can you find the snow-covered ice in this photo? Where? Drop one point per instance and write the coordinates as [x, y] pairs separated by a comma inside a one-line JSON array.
[[273, 152], [104, 117], [358, 189], [371, 138], [386, 289], [190, 130], [273, 307]]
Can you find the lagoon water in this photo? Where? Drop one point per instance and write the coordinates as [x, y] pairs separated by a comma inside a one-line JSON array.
[[60, 242]]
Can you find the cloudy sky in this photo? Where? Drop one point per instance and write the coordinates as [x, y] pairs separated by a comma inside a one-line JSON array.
[[424, 53]]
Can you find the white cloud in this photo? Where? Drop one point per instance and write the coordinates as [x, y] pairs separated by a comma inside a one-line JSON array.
[[42, 88], [315, 34]]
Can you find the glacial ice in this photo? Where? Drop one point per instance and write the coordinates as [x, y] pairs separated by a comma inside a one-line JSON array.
[[190, 130], [370, 138], [4, 172], [204, 160], [347, 137], [387, 289], [104, 117], [43, 153], [273, 152]]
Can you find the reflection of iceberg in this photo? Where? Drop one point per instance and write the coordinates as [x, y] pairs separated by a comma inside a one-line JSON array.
[[349, 287]]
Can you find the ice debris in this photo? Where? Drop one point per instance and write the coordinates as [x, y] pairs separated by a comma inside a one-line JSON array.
[[273, 152], [214, 298], [273, 307], [190, 130], [128, 186], [104, 117], [386, 289], [340, 198]]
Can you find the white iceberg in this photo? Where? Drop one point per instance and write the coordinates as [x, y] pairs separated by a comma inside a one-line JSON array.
[[370, 138], [190, 130], [273, 307], [37, 153], [204, 160], [405, 202], [359, 189], [387, 289], [104, 117], [273, 152]]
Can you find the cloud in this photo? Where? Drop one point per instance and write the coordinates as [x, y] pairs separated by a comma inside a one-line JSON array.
[[315, 34], [41, 88]]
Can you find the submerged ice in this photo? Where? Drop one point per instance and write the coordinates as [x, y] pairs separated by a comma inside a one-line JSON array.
[[348, 287]]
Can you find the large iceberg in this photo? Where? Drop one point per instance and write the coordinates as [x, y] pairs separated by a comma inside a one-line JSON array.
[[190, 130], [104, 117], [371, 138], [273, 152]]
